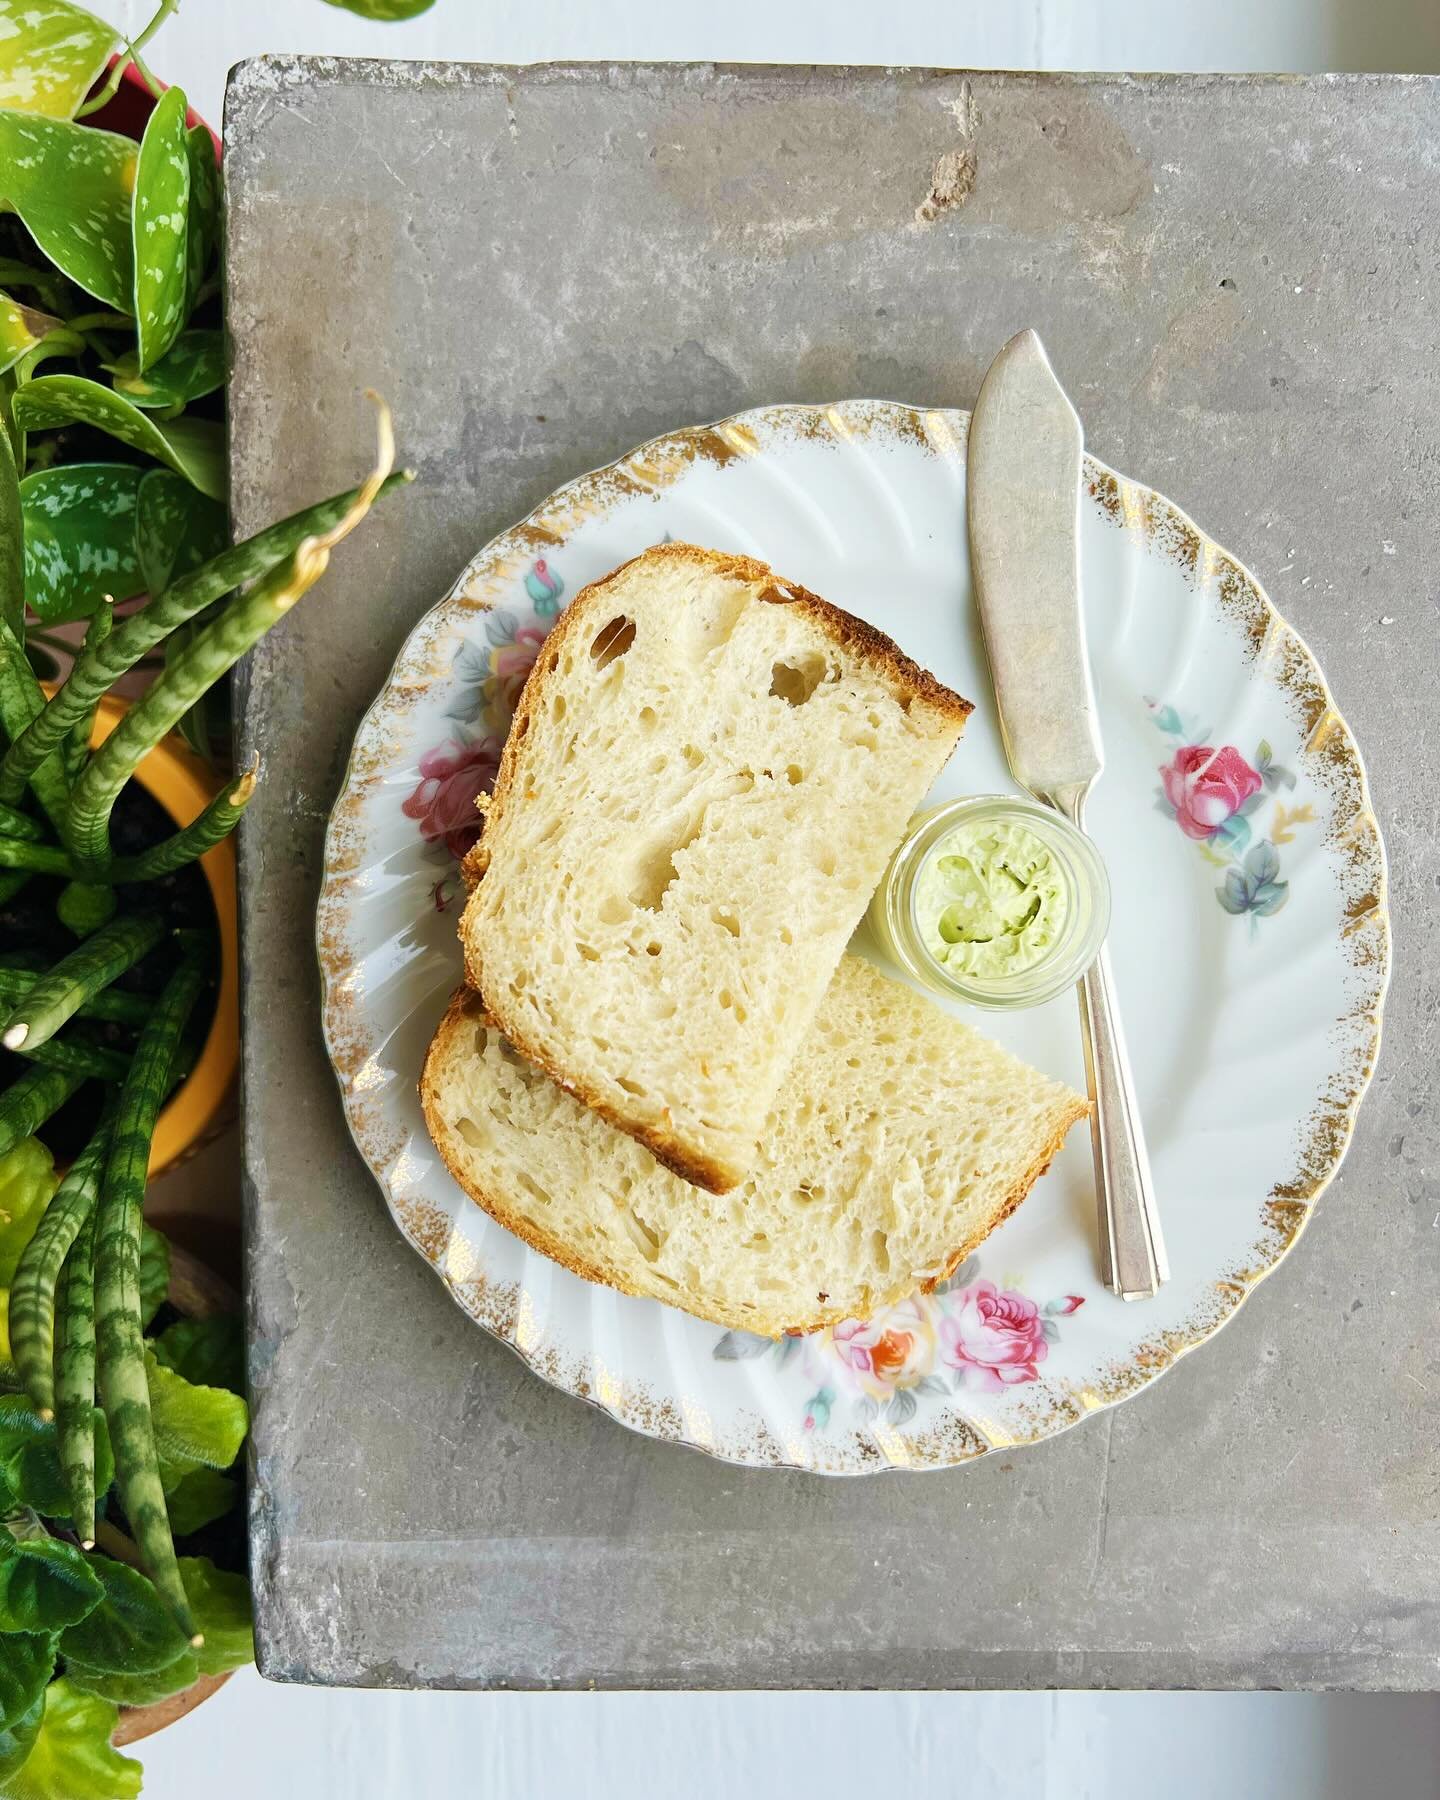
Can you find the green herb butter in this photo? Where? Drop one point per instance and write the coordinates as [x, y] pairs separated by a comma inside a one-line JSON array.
[[990, 900]]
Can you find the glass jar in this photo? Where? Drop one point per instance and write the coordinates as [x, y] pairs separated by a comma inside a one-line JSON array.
[[1076, 907]]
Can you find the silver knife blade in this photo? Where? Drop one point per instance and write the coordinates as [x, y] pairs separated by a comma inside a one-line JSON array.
[[1023, 485]]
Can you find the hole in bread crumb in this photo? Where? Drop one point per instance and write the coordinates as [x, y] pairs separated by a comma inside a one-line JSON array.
[[795, 682], [646, 1241], [472, 1134], [787, 936], [588, 952], [693, 757], [726, 920], [652, 948], [554, 662], [794, 774], [613, 910], [520, 727], [557, 707], [630, 1087], [655, 871], [649, 718], [825, 861], [612, 640], [533, 1188]]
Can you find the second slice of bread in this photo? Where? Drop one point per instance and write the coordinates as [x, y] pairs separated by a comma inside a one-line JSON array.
[[899, 1140], [707, 772]]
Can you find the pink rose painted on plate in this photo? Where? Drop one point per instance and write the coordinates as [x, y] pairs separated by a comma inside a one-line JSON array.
[[1206, 787], [888, 1367], [993, 1339], [452, 776]]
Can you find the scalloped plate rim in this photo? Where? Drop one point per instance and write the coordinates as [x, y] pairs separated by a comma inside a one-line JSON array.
[[1379, 920]]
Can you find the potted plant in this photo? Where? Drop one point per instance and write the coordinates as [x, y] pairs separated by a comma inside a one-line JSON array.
[[121, 1548]]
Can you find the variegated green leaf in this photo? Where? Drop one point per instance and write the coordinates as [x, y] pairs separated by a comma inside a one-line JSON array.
[[72, 1757], [22, 328], [12, 542], [193, 448], [203, 229], [80, 524], [390, 10], [50, 55], [176, 529], [159, 223], [71, 186], [192, 367]]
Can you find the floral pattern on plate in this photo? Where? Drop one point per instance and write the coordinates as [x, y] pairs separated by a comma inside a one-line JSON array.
[[456, 772], [966, 1335], [1214, 795]]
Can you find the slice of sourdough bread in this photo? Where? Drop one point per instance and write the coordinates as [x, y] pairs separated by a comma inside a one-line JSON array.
[[899, 1140], [706, 775]]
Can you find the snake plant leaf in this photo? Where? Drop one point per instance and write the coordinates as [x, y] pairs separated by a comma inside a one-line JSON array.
[[22, 327], [384, 9], [159, 223], [80, 537], [50, 55], [192, 367], [203, 229], [72, 1757], [30, 1460], [71, 185], [193, 448], [12, 543]]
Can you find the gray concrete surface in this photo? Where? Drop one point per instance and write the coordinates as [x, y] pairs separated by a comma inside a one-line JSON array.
[[543, 267]]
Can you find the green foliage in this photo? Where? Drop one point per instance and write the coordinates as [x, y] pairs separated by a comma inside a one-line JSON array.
[[129, 1632], [393, 10], [30, 1471], [209, 1352], [72, 1757], [50, 54], [80, 538], [177, 529], [45, 1585], [220, 1603], [154, 1272], [25, 1668], [22, 328], [198, 1499], [160, 228], [195, 1427], [17, 1740], [194, 448], [137, 1690], [192, 367], [27, 1180], [71, 186]]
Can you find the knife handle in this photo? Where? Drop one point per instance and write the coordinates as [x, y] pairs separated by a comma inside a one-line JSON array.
[[1132, 1249]]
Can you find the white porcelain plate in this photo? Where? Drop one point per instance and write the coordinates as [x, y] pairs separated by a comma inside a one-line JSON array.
[[1250, 938]]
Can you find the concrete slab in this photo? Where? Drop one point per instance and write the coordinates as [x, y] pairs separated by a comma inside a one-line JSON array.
[[542, 267]]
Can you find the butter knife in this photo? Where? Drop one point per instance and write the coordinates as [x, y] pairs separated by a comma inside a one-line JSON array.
[[1023, 464]]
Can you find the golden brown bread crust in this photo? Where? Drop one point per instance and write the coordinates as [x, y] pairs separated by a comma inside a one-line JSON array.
[[844, 628], [467, 1006], [852, 633]]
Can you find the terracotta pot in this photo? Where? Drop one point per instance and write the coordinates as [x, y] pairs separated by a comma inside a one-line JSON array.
[[197, 1291], [177, 780]]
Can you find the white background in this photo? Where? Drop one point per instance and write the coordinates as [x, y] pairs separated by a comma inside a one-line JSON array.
[[300, 1744]]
